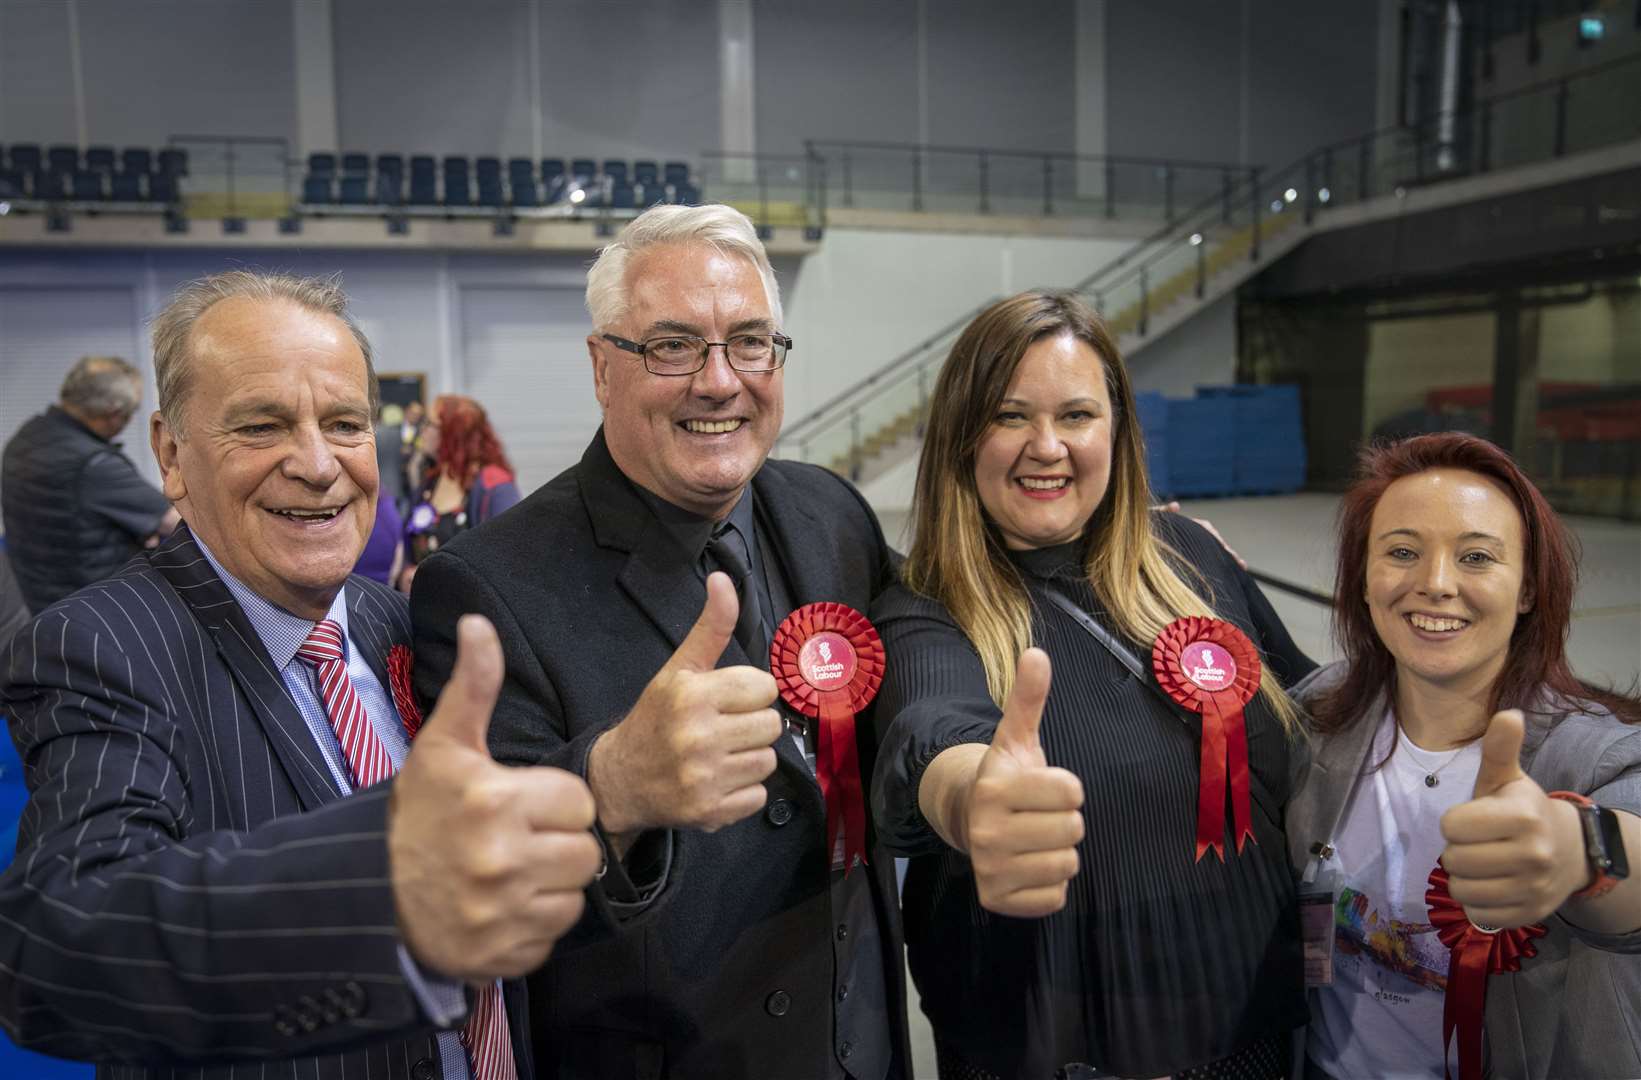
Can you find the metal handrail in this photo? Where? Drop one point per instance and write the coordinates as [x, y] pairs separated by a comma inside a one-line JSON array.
[[993, 152], [1252, 185]]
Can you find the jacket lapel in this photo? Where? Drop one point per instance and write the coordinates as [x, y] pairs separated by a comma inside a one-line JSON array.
[[184, 566], [1337, 763]]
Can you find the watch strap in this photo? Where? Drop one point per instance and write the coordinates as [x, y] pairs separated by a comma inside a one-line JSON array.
[[1595, 851]]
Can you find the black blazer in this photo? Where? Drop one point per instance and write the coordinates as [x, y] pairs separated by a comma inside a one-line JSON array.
[[190, 887], [591, 596]]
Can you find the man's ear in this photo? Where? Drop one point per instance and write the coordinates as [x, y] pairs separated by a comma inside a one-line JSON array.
[[601, 371], [163, 440]]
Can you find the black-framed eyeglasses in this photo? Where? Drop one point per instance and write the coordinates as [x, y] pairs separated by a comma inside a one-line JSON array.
[[685, 354]]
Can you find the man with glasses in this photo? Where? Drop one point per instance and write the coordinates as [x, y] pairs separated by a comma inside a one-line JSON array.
[[636, 596]]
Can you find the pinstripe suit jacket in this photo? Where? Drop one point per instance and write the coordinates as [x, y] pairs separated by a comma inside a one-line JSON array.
[[189, 884]]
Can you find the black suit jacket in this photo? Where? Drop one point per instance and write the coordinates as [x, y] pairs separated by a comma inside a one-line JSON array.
[[190, 886], [591, 596]]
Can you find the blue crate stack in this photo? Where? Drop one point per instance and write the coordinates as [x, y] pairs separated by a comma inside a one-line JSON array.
[[1201, 446], [1269, 439], [1152, 410]]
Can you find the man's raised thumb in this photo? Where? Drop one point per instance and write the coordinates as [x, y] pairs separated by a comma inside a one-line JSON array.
[[710, 635], [1023, 713], [1501, 752], [469, 696]]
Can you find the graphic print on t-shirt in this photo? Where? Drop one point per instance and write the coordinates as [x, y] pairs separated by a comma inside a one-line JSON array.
[[1398, 959]]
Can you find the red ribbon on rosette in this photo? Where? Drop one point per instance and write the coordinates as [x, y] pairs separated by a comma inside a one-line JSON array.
[[400, 663], [1477, 952], [1210, 667], [827, 660]]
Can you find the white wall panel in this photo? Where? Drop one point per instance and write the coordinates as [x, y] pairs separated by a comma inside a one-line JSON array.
[[525, 356]]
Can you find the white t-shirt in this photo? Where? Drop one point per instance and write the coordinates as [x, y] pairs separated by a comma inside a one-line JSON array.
[[1381, 1019]]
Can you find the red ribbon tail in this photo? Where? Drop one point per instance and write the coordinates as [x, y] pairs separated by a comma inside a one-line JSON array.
[[1463, 1009], [837, 767], [1236, 748], [1211, 782]]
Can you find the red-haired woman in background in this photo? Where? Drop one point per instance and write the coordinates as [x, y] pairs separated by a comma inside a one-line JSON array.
[[468, 482], [1455, 728]]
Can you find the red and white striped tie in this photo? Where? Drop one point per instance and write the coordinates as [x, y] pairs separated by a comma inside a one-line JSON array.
[[485, 1036]]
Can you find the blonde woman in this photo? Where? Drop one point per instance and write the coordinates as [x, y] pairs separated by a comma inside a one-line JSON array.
[[1058, 920]]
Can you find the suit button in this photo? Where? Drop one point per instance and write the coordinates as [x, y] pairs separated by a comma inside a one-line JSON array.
[[422, 1070], [779, 813], [284, 1027], [842, 932], [845, 1050], [778, 1003]]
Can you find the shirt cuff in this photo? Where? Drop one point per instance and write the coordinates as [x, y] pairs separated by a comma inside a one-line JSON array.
[[443, 1001], [631, 884]]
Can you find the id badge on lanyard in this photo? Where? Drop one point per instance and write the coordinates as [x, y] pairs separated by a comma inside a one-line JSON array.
[[1317, 895]]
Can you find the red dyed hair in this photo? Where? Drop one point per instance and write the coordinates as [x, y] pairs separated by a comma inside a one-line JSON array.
[[1538, 645], [467, 442]]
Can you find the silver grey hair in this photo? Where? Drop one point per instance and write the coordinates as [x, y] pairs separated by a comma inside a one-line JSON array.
[[102, 386], [721, 227], [173, 328]]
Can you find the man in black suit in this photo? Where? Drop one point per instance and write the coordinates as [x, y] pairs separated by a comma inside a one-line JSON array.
[[727, 939], [191, 887]]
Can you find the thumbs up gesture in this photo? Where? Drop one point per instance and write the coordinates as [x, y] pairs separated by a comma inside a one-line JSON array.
[[1024, 817], [1513, 854], [695, 750], [487, 862]]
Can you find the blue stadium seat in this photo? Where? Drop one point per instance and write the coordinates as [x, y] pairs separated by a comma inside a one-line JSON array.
[[136, 159], [490, 192], [100, 159], [63, 159], [424, 181], [645, 172], [173, 161], [162, 187], [390, 179], [552, 179], [615, 170], [355, 190], [582, 170], [125, 186], [521, 182], [457, 190], [686, 195], [677, 172], [50, 185], [321, 164], [622, 196], [316, 189], [25, 157], [11, 184], [487, 168], [355, 165], [87, 186]]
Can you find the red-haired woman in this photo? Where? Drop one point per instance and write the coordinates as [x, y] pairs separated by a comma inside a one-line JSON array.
[[468, 482], [1455, 728]]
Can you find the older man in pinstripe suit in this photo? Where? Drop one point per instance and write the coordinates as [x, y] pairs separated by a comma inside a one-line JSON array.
[[191, 886]]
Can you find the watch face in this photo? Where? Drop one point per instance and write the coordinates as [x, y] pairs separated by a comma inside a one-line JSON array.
[[1612, 844]]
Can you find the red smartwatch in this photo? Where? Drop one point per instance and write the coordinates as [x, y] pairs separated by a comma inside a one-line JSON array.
[[1603, 845]]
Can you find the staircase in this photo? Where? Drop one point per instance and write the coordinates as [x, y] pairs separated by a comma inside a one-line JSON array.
[[1206, 253]]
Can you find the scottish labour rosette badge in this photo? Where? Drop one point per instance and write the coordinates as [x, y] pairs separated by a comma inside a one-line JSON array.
[[1210, 667], [1476, 953], [828, 661]]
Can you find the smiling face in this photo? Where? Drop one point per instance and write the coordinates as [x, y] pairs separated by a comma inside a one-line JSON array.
[[275, 469], [1444, 578], [695, 440], [1043, 466]]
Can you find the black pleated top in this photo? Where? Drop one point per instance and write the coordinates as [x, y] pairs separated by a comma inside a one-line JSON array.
[[1158, 962]]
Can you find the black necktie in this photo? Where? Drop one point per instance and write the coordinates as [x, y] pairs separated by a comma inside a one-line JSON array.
[[728, 550]]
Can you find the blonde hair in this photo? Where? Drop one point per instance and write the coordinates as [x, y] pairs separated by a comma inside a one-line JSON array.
[[173, 328], [721, 227], [959, 559]]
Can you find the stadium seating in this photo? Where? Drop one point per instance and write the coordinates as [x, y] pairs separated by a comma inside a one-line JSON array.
[[457, 188]]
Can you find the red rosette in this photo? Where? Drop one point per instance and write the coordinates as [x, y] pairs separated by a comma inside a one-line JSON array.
[[1210, 667], [827, 660], [400, 663], [1477, 952]]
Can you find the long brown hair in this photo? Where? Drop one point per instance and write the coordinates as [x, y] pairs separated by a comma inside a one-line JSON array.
[[1537, 656], [958, 556]]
